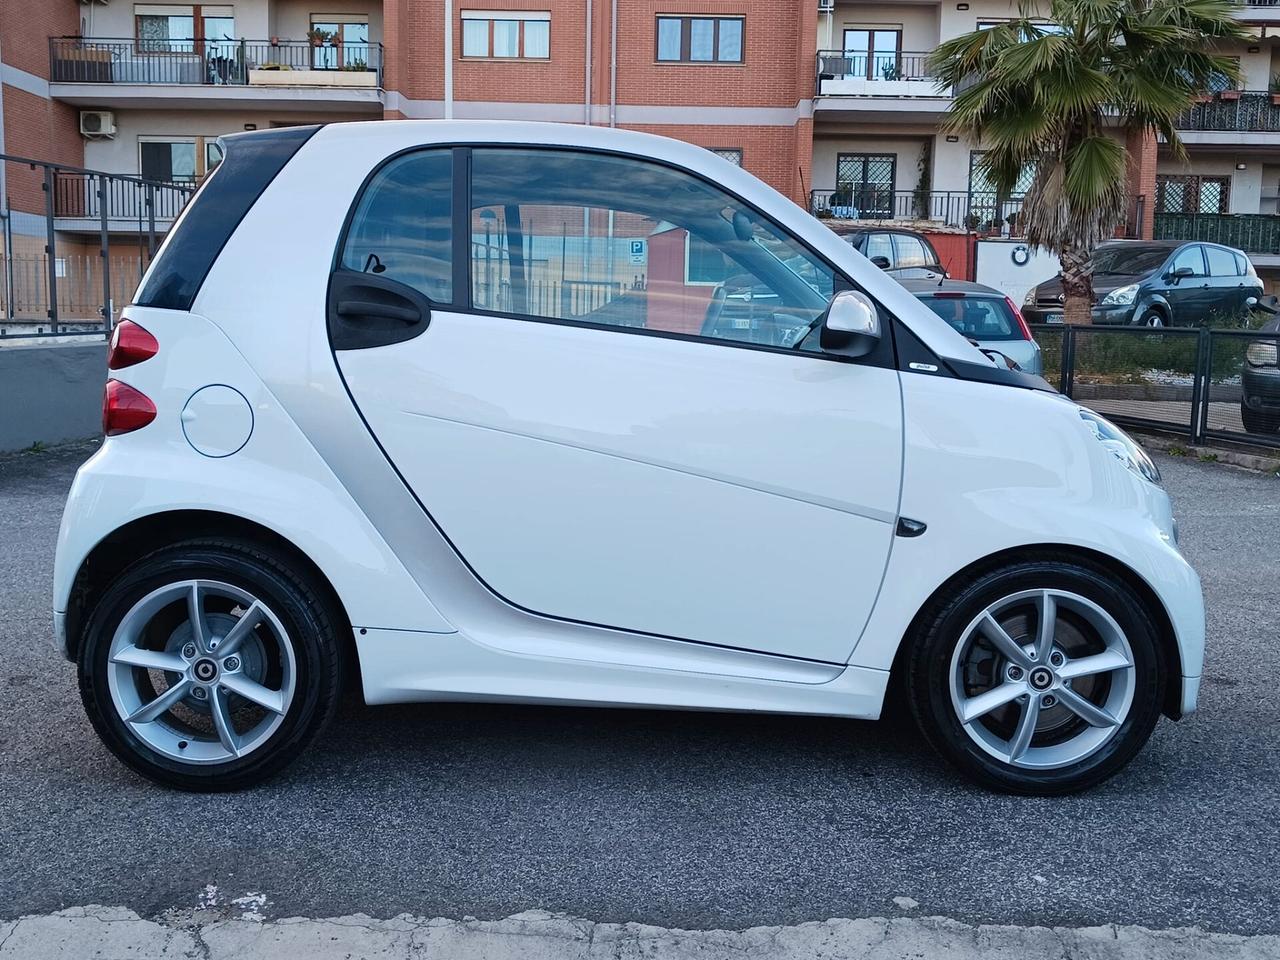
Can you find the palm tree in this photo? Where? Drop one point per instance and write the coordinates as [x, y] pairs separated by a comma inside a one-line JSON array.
[[1058, 95]]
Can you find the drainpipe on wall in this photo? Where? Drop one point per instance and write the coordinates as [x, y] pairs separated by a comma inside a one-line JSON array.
[[448, 59], [613, 66], [586, 98]]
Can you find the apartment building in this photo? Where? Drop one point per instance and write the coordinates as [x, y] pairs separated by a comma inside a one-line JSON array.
[[878, 150], [830, 101]]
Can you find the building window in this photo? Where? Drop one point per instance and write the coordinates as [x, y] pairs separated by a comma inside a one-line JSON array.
[[177, 159], [873, 54], [864, 185], [339, 43], [506, 34], [1192, 194], [732, 154], [180, 29], [700, 39]]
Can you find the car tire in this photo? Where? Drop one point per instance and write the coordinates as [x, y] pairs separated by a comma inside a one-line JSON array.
[[272, 687], [1094, 613], [1255, 422], [1152, 318]]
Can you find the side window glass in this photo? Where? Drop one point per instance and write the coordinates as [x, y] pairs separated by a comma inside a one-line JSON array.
[[879, 245], [1242, 265], [910, 251], [1190, 257], [1222, 263], [402, 227], [624, 242]]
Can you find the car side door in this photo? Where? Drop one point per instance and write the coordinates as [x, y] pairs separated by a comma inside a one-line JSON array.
[[1227, 286], [616, 412], [1185, 284]]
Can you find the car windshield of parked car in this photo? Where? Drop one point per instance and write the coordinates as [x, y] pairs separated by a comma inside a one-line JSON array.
[[1129, 261], [979, 318]]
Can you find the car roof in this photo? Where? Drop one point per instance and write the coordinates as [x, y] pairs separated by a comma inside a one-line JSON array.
[[925, 287], [844, 231]]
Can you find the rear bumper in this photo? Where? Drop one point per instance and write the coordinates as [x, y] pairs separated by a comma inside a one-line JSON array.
[[60, 634], [1190, 696]]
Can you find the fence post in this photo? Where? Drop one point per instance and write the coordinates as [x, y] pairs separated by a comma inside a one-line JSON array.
[[50, 247], [105, 252], [1067, 377], [10, 289], [1200, 385], [151, 220]]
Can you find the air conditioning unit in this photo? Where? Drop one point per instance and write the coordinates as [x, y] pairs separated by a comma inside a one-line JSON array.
[[97, 123], [826, 6]]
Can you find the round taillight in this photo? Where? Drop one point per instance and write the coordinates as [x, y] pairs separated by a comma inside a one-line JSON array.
[[125, 409], [130, 344]]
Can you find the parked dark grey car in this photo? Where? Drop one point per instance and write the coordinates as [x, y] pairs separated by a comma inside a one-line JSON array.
[[1260, 379], [1162, 283], [903, 254]]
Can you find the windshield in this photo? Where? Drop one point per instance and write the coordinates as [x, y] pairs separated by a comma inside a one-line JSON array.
[[1127, 260], [978, 318]]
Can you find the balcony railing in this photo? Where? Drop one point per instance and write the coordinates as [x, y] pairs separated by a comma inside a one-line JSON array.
[[1247, 111], [84, 196], [1250, 232], [981, 212], [841, 73], [204, 62]]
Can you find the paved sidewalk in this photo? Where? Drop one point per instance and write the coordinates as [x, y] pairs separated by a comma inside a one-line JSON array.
[[113, 932]]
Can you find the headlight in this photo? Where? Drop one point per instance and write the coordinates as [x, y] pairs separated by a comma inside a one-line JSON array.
[[1121, 296], [1030, 299], [1261, 353], [1122, 446]]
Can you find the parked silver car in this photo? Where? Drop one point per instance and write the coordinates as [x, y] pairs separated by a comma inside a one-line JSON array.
[[984, 315]]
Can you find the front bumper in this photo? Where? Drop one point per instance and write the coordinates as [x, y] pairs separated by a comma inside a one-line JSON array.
[[1103, 315], [1261, 388]]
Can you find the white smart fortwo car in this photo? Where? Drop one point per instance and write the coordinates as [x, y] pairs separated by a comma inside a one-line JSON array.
[[550, 414]]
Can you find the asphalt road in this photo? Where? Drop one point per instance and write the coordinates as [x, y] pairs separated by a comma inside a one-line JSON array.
[[691, 820]]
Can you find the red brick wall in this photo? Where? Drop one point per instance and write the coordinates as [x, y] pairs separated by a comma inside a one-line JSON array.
[[1142, 176], [33, 126]]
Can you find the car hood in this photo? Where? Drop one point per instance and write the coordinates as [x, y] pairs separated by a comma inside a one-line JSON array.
[[1103, 283]]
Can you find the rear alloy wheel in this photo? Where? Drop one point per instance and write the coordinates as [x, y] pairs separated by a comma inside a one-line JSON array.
[[209, 665], [1040, 678]]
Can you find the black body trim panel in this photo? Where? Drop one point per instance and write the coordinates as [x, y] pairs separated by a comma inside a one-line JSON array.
[[250, 162]]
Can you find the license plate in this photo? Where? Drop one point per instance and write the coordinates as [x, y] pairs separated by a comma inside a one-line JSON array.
[[1053, 318]]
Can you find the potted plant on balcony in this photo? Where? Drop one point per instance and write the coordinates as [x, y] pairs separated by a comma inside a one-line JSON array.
[[1274, 87], [319, 37], [1229, 93]]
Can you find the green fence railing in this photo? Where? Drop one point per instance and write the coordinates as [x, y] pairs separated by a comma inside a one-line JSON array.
[[1250, 232]]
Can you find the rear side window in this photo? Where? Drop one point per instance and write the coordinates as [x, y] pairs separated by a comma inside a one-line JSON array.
[[879, 245], [250, 162], [980, 318], [1222, 262], [402, 228], [911, 252]]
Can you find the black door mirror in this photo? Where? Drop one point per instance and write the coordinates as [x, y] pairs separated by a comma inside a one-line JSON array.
[[881, 262], [1177, 273]]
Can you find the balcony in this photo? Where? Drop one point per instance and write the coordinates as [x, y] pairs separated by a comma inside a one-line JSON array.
[[895, 84], [985, 213], [110, 72], [1259, 11], [1233, 117], [130, 204], [1257, 234]]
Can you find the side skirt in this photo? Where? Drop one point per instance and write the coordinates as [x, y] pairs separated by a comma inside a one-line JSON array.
[[399, 666]]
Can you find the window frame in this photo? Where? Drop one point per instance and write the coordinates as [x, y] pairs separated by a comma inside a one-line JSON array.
[[199, 142], [872, 55], [883, 355], [686, 34], [1204, 261], [492, 17]]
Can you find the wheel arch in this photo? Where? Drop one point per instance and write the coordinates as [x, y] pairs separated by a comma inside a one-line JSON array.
[[1160, 305], [1165, 635], [141, 536]]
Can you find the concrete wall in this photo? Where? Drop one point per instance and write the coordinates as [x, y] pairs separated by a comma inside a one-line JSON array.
[[52, 393]]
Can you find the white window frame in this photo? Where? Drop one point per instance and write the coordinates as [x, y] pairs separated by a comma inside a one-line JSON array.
[[520, 17]]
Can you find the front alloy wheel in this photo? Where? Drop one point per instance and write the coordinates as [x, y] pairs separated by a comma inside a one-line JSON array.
[[1039, 677]]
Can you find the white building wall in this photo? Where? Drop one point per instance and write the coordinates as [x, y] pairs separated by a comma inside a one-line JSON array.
[[1246, 195]]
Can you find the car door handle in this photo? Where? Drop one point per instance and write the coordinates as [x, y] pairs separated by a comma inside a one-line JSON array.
[[368, 309]]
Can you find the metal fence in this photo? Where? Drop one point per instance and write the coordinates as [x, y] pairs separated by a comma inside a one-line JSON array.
[[97, 233], [1250, 232], [983, 212], [1201, 383]]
